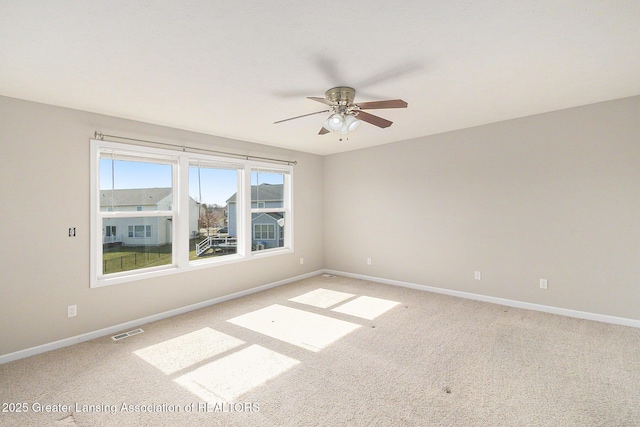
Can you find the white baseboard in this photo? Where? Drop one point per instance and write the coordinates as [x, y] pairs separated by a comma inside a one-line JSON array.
[[134, 323], [502, 301]]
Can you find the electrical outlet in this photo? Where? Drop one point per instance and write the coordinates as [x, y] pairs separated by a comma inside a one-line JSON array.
[[477, 275], [368, 261], [301, 261], [72, 311], [544, 284], [72, 232]]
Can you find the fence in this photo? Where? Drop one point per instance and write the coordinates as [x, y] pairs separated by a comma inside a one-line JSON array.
[[135, 260]]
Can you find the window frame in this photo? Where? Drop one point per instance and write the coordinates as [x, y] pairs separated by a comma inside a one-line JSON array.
[[179, 211]]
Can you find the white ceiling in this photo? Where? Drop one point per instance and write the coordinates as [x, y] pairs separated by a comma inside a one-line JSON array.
[[232, 68]]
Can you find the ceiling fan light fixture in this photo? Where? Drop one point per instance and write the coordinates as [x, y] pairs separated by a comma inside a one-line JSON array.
[[336, 121], [351, 123]]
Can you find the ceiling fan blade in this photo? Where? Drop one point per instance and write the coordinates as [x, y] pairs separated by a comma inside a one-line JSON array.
[[323, 100], [304, 115], [391, 103], [374, 120], [323, 131]]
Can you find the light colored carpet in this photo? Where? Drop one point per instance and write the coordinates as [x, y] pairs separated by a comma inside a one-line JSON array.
[[339, 352]]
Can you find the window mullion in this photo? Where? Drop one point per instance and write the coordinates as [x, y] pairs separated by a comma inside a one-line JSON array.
[[267, 210], [181, 228], [135, 214]]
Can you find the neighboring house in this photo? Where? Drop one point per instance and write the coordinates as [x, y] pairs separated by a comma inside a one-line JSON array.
[[147, 231], [267, 231], [212, 216]]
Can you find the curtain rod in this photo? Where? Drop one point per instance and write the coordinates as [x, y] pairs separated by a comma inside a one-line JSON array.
[[184, 148]]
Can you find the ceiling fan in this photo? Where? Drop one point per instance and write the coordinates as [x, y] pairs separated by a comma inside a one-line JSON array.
[[345, 115]]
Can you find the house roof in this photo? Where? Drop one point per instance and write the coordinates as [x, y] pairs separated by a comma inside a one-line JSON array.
[[263, 193], [133, 197], [275, 215]]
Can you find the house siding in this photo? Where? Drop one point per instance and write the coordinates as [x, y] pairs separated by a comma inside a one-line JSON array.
[[276, 202], [160, 226]]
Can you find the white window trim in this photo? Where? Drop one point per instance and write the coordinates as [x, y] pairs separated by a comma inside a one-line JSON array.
[[180, 213]]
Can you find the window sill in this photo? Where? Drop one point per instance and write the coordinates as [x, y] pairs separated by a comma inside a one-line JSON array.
[[193, 265]]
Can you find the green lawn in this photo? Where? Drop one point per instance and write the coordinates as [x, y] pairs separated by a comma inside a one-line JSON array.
[[126, 258]]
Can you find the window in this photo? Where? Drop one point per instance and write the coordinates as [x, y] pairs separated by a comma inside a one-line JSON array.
[[126, 181], [157, 211], [264, 231], [139, 231], [268, 208], [212, 186]]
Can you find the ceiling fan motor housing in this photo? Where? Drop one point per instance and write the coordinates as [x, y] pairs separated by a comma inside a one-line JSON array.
[[342, 95]]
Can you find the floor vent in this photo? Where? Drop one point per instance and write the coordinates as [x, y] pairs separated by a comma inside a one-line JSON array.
[[126, 334], [330, 276]]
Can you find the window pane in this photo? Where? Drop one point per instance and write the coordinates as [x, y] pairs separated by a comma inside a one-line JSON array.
[[146, 243], [213, 214], [134, 185], [267, 190], [268, 230]]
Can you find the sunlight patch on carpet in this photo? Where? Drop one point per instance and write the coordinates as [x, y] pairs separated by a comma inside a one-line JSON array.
[[366, 307], [322, 298], [301, 328], [181, 352], [230, 377]]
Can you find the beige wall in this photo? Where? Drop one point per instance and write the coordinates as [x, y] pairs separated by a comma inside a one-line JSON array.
[[44, 190], [554, 196], [551, 196]]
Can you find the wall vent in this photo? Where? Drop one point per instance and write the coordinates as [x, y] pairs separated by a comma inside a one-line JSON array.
[[126, 334]]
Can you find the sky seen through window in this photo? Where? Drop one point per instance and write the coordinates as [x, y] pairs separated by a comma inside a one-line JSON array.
[[206, 185]]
